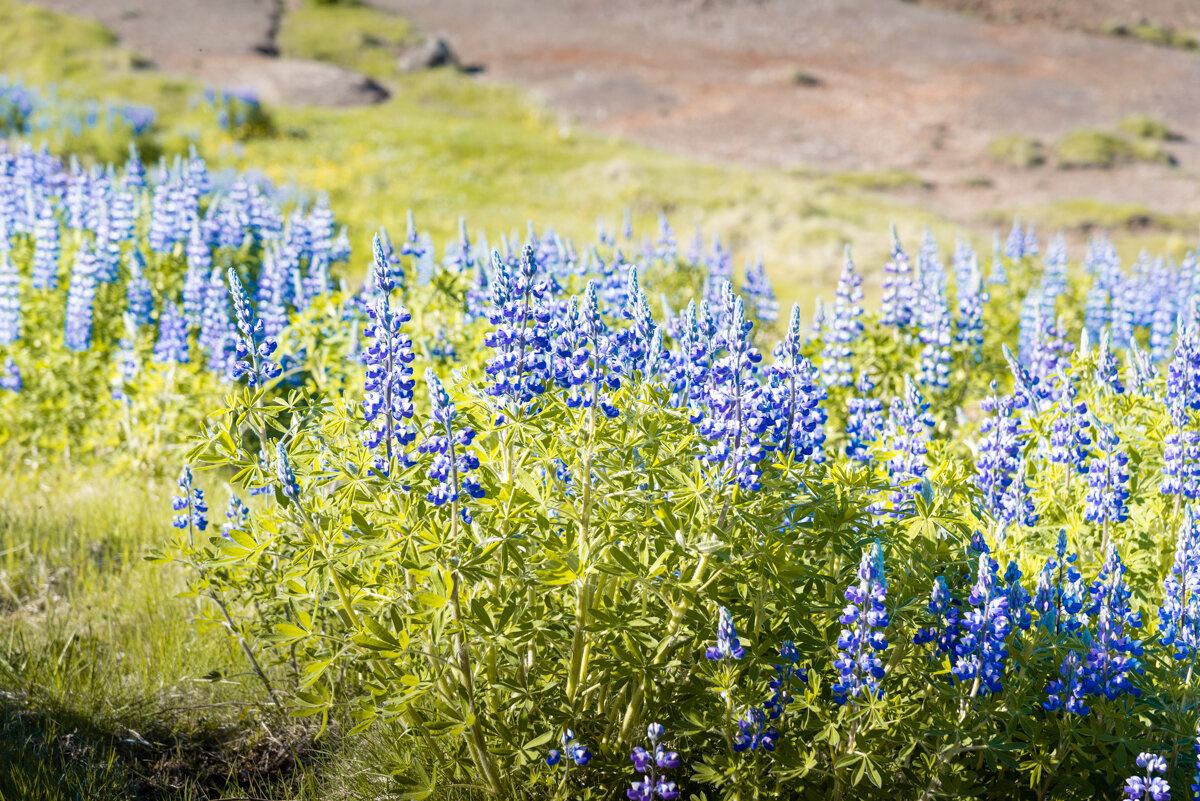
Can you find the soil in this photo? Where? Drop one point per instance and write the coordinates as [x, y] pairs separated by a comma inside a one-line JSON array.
[[825, 85]]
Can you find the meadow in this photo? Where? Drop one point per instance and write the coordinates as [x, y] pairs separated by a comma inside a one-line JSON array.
[[310, 497]]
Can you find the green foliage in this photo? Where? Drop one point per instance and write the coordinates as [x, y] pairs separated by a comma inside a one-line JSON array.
[[1017, 150], [1144, 126], [1084, 149], [349, 34]]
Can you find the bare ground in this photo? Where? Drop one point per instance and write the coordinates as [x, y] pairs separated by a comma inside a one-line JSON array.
[[826, 85]]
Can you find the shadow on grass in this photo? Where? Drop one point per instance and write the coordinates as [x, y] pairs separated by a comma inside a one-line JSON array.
[[56, 754]]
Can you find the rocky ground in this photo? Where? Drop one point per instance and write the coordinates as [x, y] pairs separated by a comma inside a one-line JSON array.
[[823, 85]]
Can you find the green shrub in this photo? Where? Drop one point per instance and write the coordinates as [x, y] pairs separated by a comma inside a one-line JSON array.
[[1144, 126], [1084, 149], [1017, 150]]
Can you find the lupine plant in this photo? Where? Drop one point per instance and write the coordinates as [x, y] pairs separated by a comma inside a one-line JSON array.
[[493, 501]]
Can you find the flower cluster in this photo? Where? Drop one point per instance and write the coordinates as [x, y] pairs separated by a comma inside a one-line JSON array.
[[653, 763], [449, 469], [576, 751], [728, 646], [865, 617], [189, 504], [1148, 787], [388, 386]]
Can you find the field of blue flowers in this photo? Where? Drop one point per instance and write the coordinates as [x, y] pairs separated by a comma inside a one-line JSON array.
[[576, 519]]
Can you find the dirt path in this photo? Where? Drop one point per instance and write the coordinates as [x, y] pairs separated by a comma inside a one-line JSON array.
[[897, 86]]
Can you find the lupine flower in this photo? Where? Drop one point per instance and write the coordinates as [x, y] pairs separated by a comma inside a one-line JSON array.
[[981, 651], [844, 327], [998, 273], [734, 422], [387, 402], [971, 298], [449, 469], [254, 349], [189, 504], [653, 764], [728, 646], [1108, 480], [760, 292], [1018, 598], [1181, 465], [1067, 691], [1014, 246], [576, 751], [81, 294], [519, 367], [934, 333], [1179, 615], [781, 685], [172, 344], [10, 376], [906, 435], [1069, 438], [753, 733], [236, 514], [1113, 655], [1060, 594], [791, 400], [1107, 368], [46, 249], [865, 617], [899, 289], [284, 473], [1148, 787], [864, 420], [946, 612], [1183, 378], [10, 300], [1000, 470], [139, 298]]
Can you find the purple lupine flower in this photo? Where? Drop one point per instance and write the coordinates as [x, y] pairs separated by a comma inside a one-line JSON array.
[[635, 343], [972, 298], [1060, 594], [728, 646], [388, 386], [791, 400], [449, 469], [189, 504], [653, 764], [1113, 655], [1001, 474], [81, 295], [1183, 378], [10, 376], [906, 435], [1069, 437], [172, 344], [899, 289], [760, 292], [781, 685], [753, 733], [1097, 316], [1179, 615], [236, 515], [981, 651], [865, 617], [947, 619], [519, 368], [844, 327], [577, 752], [589, 374], [998, 275], [1014, 246], [284, 473], [864, 420], [139, 298], [1108, 480], [46, 249], [690, 363], [217, 333], [1107, 368], [254, 348], [1148, 787], [1181, 465], [10, 300], [734, 422], [1067, 691], [1019, 613]]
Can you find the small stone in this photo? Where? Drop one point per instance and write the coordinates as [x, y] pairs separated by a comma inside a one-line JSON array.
[[433, 52]]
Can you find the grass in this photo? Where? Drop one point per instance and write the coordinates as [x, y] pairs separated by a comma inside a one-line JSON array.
[[1098, 149], [349, 34], [1017, 150], [1144, 126], [1155, 33]]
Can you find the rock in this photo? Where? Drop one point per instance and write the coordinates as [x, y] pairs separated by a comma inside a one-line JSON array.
[[433, 52], [294, 81]]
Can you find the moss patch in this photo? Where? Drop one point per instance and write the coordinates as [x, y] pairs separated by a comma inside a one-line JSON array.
[[348, 34], [1017, 150], [1084, 149]]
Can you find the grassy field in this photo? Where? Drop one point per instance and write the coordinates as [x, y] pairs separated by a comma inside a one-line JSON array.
[[108, 688]]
